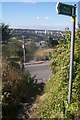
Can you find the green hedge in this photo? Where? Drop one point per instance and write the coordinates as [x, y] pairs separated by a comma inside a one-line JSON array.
[[55, 102]]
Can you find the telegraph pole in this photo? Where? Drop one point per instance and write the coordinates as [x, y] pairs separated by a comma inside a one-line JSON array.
[[23, 61]]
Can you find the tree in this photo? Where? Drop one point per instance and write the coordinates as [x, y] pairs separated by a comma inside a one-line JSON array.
[[30, 51], [78, 26], [5, 34], [50, 42]]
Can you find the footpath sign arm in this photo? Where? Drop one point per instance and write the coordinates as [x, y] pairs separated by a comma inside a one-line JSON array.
[[64, 9]]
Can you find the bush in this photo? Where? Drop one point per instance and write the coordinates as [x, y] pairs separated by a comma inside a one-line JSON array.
[[54, 104], [17, 89]]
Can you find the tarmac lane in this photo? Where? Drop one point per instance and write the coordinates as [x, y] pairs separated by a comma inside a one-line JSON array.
[[41, 71]]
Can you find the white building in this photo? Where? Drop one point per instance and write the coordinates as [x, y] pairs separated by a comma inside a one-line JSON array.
[[45, 32]]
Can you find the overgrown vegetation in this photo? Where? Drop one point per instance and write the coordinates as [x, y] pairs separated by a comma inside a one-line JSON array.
[[5, 34], [54, 103], [17, 87]]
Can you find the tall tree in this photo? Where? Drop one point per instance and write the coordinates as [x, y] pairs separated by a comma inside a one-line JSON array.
[[5, 34]]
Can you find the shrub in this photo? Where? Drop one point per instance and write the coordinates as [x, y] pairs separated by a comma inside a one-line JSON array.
[[54, 104], [17, 88]]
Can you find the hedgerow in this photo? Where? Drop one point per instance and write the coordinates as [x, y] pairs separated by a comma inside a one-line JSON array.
[[55, 103]]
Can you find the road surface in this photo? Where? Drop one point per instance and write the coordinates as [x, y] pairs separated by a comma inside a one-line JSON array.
[[41, 71]]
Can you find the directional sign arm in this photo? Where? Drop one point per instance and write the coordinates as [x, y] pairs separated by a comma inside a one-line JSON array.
[[64, 9]]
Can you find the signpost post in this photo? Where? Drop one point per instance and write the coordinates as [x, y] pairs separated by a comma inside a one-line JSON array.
[[72, 55], [69, 10]]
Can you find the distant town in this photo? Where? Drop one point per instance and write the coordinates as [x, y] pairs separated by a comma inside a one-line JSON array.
[[37, 35]]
